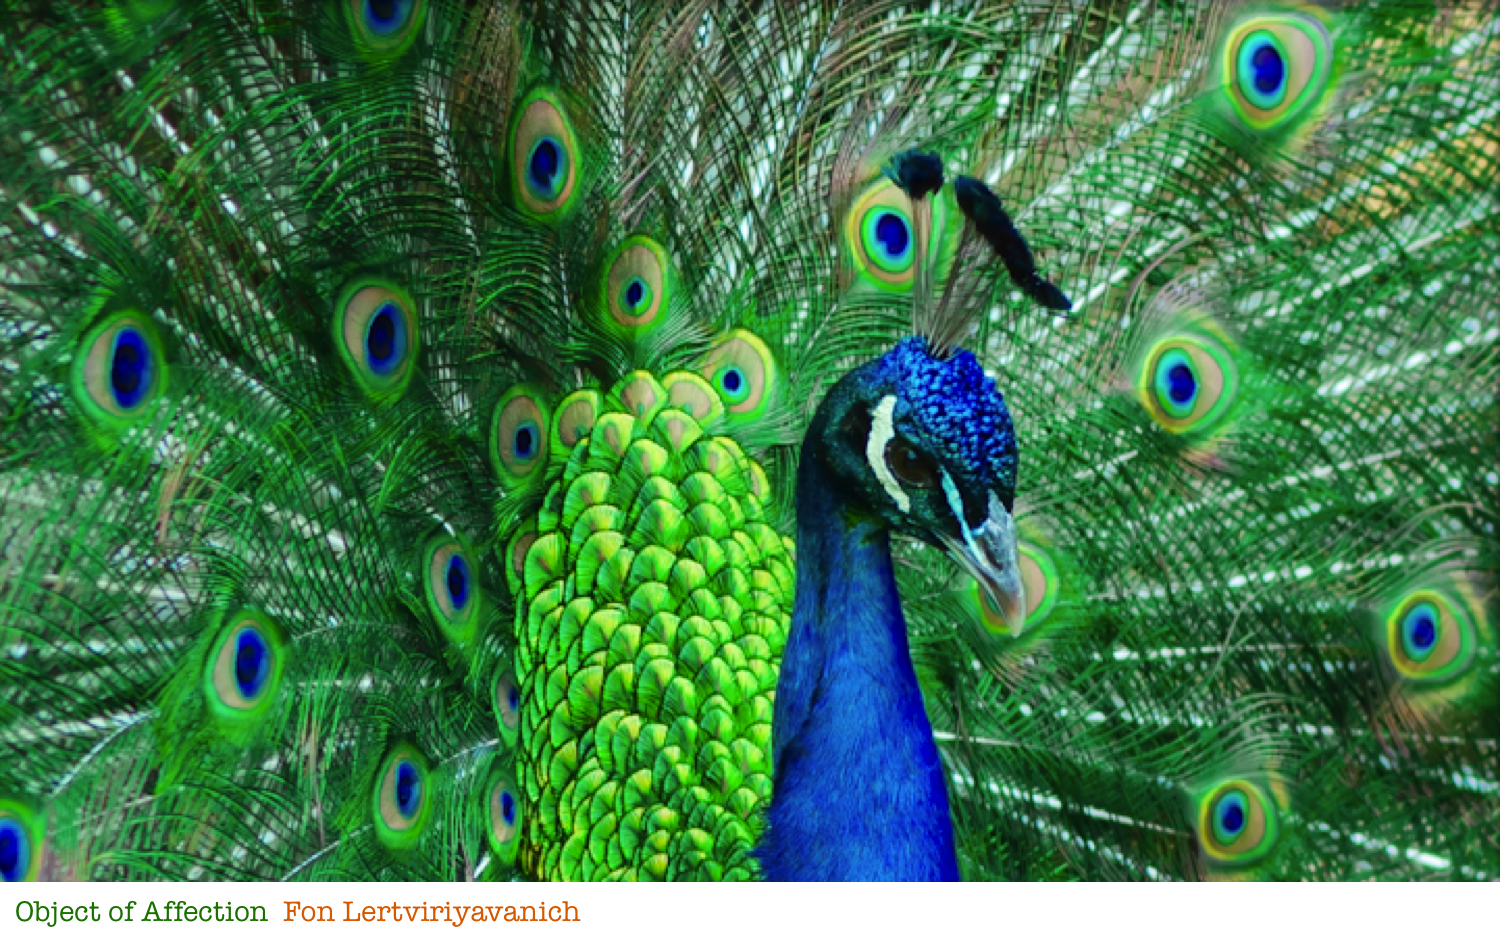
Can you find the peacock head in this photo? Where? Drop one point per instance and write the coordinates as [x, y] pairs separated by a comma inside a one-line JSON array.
[[926, 444]]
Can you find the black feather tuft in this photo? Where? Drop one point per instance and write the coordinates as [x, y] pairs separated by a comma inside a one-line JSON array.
[[1045, 294], [983, 208], [917, 174]]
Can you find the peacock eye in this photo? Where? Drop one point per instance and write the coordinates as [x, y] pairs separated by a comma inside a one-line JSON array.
[[386, 16], [451, 590], [244, 668], [1237, 823], [1261, 74], [635, 297], [742, 370], [1428, 638], [508, 702], [1189, 384], [911, 467], [375, 326], [637, 284], [505, 817], [122, 369], [401, 802], [19, 839], [524, 441], [518, 434], [383, 29], [881, 239], [542, 157], [546, 168], [887, 241], [1277, 67]]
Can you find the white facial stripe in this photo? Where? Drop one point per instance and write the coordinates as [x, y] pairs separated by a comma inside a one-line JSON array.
[[882, 430], [956, 504]]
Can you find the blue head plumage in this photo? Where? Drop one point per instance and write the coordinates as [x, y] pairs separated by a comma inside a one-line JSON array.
[[919, 444], [954, 411], [926, 443]]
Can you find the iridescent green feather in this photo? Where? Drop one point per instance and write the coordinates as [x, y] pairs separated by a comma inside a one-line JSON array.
[[650, 654], [301, 302]]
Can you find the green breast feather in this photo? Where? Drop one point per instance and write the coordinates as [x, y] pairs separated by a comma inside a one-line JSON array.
[[656, 606]]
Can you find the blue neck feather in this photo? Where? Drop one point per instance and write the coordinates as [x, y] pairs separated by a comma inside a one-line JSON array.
[[859, 792]]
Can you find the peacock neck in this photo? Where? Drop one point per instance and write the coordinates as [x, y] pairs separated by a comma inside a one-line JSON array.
[[859, 791]]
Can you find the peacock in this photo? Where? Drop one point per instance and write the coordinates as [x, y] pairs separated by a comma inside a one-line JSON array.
[[847, 439]]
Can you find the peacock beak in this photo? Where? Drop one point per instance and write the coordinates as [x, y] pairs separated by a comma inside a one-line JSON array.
[[990, 554]]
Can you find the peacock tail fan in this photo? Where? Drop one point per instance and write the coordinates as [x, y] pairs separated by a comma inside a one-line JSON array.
[[402, 402]]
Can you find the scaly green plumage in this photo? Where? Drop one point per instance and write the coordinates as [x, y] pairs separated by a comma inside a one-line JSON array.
[[462, 352], [655, 598]]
